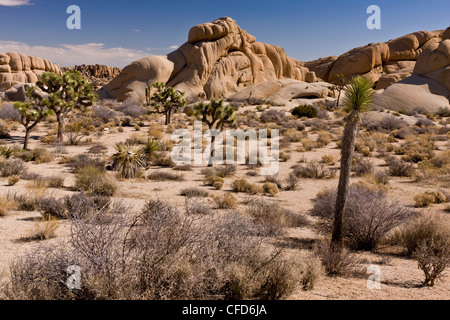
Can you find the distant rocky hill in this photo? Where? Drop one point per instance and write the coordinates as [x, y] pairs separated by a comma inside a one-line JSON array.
[[100, 74], [19, 67]]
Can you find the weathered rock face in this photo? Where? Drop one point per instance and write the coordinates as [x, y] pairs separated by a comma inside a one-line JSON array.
[[428, 87], [18, 67], [96, 73], [285, 92], [218, 60], [373, 61], [434, 63]]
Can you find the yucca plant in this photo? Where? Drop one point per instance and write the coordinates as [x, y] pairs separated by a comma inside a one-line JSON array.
[[7, 151], [150, 148], [128, 161]]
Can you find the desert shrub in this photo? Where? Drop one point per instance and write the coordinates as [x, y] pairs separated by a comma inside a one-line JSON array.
[[165, 176], [404, 132], [226, 201], [157, 254], [293, 135], [24, 202], [51, 207], [242, 185], [417, 149], [131, 109], [12, 167], [76, 130], [197, 206], [55, 181], [308, 144], [83, 206], [193, 192], [314, 170], [12, 180], [335, 262], [391, 123], [275, 180], [9, 112], [311, 270], [83, 160], [324, 138], [38, 155], [428, 198], [363, 167], [293, 124], [272, 115], [162, 160], [291, 182], [4, 130], [95, 181], [328, 159], [104, 113], [317, 125], [183, 167], [369, 215], [427, 240], [305, 111], [274, 217], [399, 168], [381, 177], [424, 122], [271, 189], [442, 112], [213, 181], [97, 149], [6, 205]]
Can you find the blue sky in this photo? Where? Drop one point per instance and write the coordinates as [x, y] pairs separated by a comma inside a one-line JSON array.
[[119, 32]]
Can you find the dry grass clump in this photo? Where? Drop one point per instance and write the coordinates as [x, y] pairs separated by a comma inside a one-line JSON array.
[[6, 205], [12, 180], [428, 198], [363, 167], [274, 217], [38, 155], [226, 201], [335, 262], [158, 254], [82, 161], [417, 149], [369, 215], [95, 181], [165, 176], [271, 189], [214, 181], [242, 185], [56, 181], [314, 170], [193, 192], [44, 229], [328, 159]]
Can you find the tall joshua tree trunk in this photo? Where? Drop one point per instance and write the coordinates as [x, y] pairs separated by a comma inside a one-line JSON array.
[[348, 146], [60, 120], [357, 99]]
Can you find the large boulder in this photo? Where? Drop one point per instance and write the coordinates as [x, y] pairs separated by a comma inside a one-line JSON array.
[[18, 67], [98, 73], [218, 59], [285, 92], [413, 92], [376, 60]]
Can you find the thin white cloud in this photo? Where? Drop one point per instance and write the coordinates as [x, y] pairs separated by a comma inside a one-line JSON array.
[[136, 30], [69, 55], [14, 3]]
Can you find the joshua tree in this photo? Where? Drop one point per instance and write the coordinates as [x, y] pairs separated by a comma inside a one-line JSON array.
[[215, 113], [30, 116], [357, 100], [339, 84], [64, 93], [165, 100]]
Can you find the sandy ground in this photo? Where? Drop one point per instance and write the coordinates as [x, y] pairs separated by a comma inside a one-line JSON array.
[[400, 277]]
